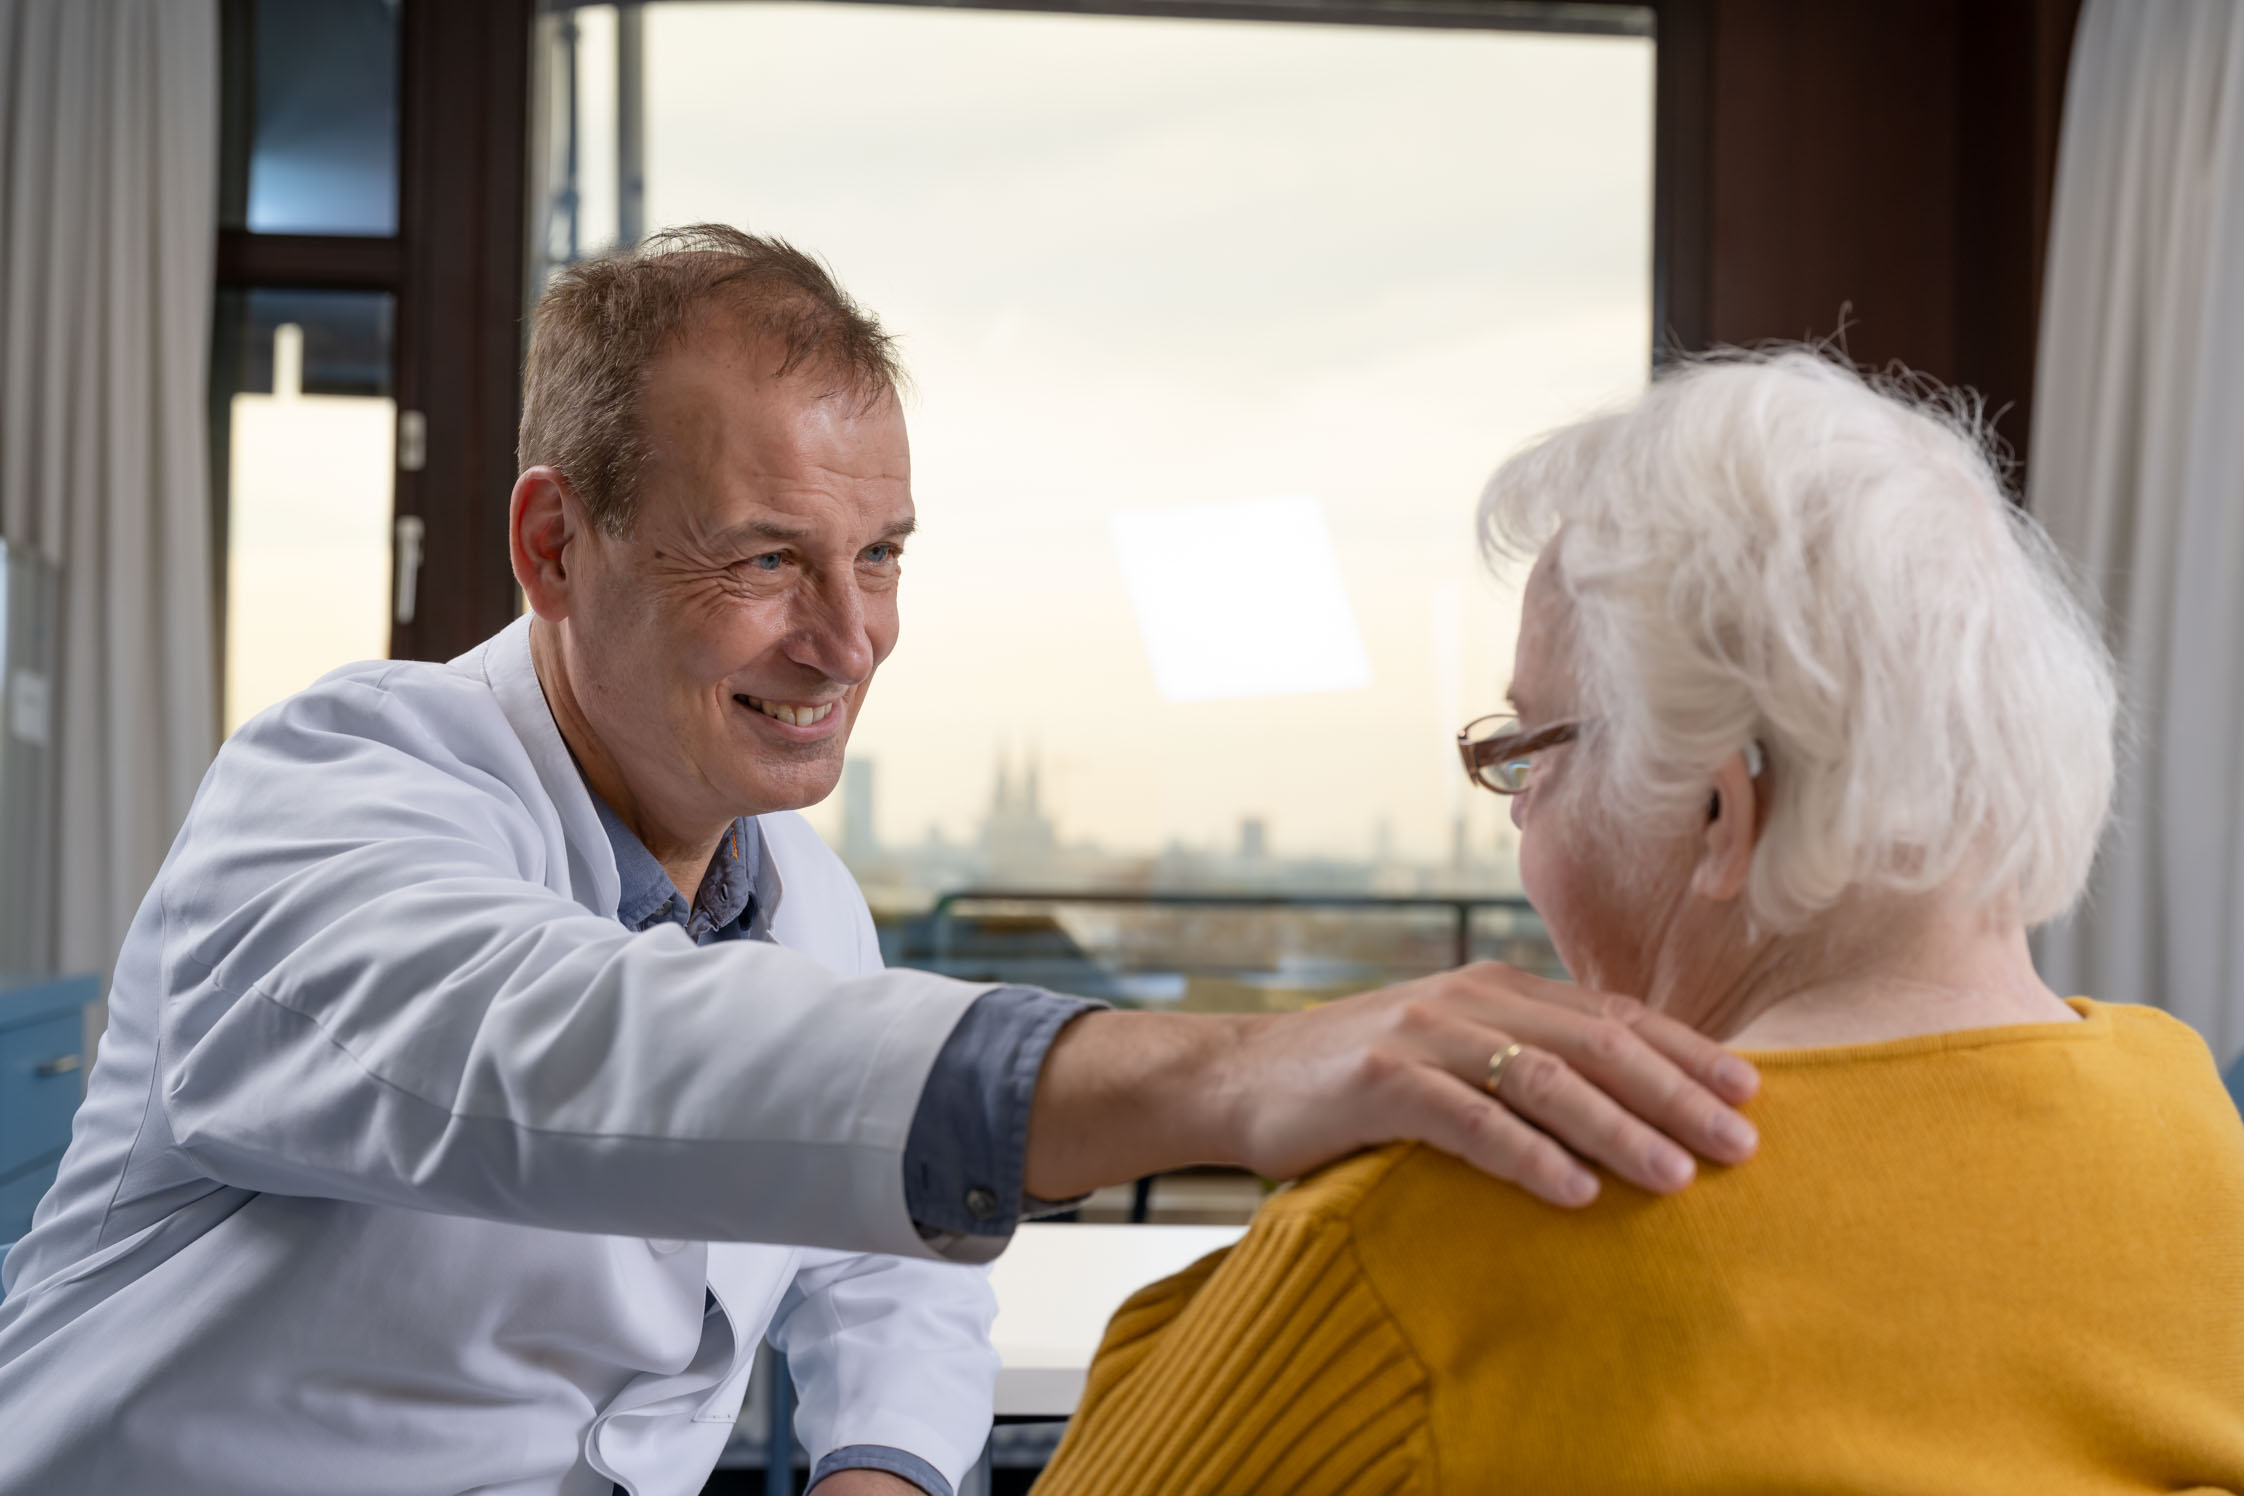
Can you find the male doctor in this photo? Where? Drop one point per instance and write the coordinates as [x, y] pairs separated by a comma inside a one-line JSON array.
[[496, 1058]]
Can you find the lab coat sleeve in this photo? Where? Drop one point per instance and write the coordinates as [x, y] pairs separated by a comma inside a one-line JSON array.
[[889, 1351], [374, 987]]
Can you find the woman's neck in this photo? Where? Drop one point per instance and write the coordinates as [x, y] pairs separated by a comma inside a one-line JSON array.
[[1869, 975]]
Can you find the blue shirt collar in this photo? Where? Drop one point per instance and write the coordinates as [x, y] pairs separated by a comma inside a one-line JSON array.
[[722, 908]]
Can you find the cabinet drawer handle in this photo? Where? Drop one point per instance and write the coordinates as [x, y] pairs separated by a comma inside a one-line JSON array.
[[61, 1064]]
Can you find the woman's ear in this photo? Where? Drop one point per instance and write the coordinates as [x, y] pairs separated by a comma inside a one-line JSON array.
[[1733, 829]]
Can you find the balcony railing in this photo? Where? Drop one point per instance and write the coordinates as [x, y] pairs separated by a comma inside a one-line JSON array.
[[1228, 951]]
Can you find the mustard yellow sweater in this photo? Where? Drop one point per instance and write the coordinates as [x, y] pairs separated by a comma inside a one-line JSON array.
[[2001, 1261]]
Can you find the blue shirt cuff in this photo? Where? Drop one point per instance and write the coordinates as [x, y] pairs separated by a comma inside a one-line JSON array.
[[968, 1146], [880, 1457]]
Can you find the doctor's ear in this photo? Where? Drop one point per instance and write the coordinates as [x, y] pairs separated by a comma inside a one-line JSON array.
[[544, 520]]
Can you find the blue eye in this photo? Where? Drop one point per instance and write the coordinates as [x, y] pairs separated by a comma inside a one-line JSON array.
[[880, 553], [769, 561]]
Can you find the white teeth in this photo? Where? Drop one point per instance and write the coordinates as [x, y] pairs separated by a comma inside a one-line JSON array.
[[793, 716]]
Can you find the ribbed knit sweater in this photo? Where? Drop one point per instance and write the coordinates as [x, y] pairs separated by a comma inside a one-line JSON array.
[[1994, 1261]]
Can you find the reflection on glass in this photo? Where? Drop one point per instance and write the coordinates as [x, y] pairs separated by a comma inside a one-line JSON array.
[[308, 431], [314, 111], [1215, 330]]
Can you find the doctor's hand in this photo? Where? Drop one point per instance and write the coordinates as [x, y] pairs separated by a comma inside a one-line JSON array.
[[1595, 1078]]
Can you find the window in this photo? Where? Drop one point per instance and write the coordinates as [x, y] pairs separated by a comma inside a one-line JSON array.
[[1215, 328], [303, 415], [304, 377]]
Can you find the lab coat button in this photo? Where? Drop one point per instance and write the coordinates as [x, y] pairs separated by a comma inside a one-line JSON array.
[[665, 1245], [980, 1203]]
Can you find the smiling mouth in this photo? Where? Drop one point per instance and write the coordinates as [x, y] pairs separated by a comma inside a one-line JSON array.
[[793, 716]]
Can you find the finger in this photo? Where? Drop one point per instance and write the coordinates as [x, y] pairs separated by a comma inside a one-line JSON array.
[[1475, 1128], [1544, 1089], [1617, 1059], [1719, 1070], [1597, 1034]]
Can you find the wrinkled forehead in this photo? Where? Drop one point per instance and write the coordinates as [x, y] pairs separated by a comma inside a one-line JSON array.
[[726, 432], [728, 384]]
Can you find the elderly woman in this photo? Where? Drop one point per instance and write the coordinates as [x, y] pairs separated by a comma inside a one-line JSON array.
[[1809, 732]]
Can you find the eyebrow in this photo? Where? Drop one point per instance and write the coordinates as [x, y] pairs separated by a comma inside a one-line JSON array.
[[785, 534]]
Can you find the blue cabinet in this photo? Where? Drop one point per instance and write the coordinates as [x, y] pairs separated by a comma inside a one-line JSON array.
[[42, 1065]]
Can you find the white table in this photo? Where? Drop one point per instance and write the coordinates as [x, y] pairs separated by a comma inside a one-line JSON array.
[[1058, 1285]]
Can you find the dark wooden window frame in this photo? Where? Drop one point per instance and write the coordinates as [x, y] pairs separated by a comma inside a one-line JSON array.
[[456, 266]]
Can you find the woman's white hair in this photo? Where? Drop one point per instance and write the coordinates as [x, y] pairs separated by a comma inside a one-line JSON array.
[[1766, 547]]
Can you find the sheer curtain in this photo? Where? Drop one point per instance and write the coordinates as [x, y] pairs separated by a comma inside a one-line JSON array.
[[2138, 471], [108, 215]]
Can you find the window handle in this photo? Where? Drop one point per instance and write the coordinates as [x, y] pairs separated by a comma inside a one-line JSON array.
[[410, 529], [61, 1064], [412, 441]]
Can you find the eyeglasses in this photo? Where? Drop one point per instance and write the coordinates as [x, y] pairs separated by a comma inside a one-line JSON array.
[[1499, 755]]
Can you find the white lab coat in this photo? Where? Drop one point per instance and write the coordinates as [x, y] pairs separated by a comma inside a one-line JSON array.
[[405, 1168]]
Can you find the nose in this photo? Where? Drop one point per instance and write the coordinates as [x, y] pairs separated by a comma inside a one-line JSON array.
[[832, 634]]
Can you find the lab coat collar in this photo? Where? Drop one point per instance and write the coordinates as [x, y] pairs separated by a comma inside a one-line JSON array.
[[503, 661]]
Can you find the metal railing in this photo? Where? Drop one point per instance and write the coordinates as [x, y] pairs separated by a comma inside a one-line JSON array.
[[1462, 907]]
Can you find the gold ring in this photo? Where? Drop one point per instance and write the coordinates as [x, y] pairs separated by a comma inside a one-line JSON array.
[[1496, 1064]]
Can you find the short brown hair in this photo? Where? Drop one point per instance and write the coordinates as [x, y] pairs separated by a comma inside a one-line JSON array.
[[602, 323]]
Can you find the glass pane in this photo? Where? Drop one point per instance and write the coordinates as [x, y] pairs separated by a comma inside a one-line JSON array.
[[587, 128], [314, 112], [1215, 328], [305, 427]]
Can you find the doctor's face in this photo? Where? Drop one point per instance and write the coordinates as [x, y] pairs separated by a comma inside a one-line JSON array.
[[725, 645]]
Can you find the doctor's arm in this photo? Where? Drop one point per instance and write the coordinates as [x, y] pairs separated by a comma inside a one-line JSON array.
[[1036, 1098], [1597, 1077]]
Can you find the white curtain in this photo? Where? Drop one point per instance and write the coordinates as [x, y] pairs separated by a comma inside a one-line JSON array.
[[2137, 469], [108, 163]]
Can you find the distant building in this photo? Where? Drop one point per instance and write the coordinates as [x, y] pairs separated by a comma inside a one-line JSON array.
[[1018, 840], [1017, 846]]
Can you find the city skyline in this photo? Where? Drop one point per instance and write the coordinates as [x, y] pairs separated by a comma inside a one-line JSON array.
[[1018, 844]]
